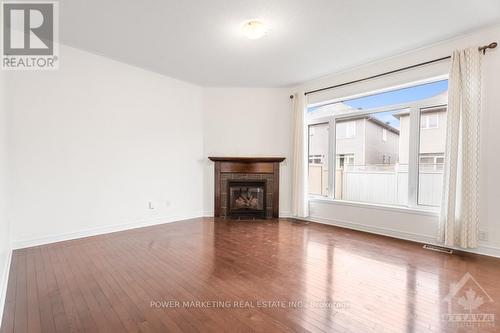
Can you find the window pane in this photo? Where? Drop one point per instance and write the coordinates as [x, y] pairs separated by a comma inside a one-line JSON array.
[[424, 121], [433, 120], [345, 129], [318, 159], [367, 168], [431, 156]]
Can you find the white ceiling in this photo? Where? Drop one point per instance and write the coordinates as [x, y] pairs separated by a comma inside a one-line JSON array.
[[200, 41]]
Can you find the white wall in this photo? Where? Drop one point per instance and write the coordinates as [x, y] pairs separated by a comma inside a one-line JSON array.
[[424, 226], [248, 122], [4, 224], [92, 143]]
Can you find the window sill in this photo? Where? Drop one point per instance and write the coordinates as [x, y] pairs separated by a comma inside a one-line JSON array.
[[399, 209]]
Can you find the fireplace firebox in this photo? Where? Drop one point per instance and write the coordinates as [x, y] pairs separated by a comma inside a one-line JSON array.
[[246, 199]]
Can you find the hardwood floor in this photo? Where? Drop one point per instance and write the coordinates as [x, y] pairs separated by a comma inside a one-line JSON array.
[[209, 275]]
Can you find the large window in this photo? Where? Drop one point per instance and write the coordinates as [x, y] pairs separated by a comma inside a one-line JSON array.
[[388, 147]]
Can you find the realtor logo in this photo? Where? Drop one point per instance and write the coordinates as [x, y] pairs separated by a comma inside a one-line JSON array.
[[469, 305], [29, 35]]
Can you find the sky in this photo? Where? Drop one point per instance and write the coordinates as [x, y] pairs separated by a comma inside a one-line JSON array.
[[404, 95], [399, 96]]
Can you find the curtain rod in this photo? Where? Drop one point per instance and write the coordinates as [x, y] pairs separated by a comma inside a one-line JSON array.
[[482, 49]]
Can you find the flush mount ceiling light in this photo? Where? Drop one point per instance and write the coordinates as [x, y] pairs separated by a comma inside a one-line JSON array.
[[254, 29]]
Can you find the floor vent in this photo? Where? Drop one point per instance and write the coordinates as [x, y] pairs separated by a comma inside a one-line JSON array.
[[438, 248], [299, 222]]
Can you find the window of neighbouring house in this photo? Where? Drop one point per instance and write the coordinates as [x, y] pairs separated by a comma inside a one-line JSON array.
[[344, 160], [388, 147], [429, 121], [346, 130]]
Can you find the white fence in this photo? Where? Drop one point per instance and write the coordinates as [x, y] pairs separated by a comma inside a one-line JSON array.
[[377, 184], [318, 179]]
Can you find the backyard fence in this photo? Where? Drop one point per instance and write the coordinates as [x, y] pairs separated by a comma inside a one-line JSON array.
[[382, 184]]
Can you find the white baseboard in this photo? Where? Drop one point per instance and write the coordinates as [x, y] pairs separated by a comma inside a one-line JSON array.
[[285, 214], [373, 229], [20, 244], [4, 282], [483, 249]]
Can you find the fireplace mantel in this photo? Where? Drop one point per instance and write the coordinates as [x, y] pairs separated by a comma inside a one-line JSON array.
[[256, 168], [247, 159]]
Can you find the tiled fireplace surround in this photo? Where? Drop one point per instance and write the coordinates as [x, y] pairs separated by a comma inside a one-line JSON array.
[[246, 168]]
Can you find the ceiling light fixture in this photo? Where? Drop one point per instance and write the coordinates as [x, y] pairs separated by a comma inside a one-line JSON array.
[[254, 29]]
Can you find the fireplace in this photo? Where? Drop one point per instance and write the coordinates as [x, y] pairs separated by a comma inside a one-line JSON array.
[[246, 186], [246, 198]]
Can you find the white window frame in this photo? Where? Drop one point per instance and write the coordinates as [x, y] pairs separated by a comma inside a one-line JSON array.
[[384, 134], [414, 145], [427, 118]]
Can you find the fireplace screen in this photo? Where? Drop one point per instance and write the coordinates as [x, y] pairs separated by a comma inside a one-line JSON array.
[[247, 198]]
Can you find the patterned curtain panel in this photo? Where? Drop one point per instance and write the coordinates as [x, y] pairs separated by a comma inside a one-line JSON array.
[[300, 206], [459, 220]]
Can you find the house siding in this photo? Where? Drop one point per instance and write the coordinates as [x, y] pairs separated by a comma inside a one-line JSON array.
[[376, 148]]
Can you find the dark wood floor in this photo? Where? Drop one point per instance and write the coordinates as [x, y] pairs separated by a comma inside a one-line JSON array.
[[242, 276]]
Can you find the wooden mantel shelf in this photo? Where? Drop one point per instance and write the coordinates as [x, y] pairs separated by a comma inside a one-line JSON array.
[[247, 159]]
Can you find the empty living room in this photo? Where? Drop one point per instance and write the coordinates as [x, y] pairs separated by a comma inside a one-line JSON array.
[[250, 166]]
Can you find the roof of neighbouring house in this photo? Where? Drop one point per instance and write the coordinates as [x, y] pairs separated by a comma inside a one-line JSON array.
[[382, 124], [344, 109], [406, 112]]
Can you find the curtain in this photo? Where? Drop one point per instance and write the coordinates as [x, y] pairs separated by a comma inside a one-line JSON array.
[[459, 220], [300, 207]]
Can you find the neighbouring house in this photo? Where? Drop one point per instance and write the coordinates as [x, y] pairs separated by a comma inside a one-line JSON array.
[[365, 141], [360, 141], [432, 137]]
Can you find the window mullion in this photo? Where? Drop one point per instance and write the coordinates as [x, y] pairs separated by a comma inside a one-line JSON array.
[[413, 157], [331, 158]]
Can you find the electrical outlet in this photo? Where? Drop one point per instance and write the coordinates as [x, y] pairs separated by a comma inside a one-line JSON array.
[[483, 236], [151, 205]]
